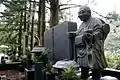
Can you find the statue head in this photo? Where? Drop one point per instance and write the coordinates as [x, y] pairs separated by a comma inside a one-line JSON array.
[[84, 13]]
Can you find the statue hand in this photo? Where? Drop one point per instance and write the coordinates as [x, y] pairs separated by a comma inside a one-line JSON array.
[[88, 36]]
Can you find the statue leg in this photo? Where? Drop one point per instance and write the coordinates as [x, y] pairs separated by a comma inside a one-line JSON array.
[[84, 73], [96, 74]]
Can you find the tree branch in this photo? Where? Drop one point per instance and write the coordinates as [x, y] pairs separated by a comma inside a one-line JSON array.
[[70, 7]]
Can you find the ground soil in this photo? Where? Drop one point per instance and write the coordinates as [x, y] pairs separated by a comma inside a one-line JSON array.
[[11, 75]]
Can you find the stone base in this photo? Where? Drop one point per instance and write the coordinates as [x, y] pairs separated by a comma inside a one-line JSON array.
[[108, 78]]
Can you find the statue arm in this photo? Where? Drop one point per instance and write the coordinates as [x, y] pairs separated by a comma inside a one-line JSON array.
[[98, 32]]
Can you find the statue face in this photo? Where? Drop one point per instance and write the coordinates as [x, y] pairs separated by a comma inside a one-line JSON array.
[[84, 17], [84, 13]]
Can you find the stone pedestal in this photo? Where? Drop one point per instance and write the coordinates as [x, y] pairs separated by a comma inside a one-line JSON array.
[[29, 74], [39, 73]]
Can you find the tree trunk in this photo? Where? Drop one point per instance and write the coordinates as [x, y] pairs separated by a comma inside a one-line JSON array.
[[42, 22], [39, 21], [29, 22], [32, 27], [54, 10], [25, 26], [20, 35], [25, 17]]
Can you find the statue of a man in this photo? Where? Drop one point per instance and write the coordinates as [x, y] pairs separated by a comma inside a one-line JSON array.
[[89, 43]]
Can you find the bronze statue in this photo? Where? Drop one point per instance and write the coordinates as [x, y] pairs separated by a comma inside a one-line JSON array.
[[89, 43]]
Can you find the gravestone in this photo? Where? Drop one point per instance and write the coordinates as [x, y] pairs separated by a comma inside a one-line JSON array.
[[57, 39], [49, 41]]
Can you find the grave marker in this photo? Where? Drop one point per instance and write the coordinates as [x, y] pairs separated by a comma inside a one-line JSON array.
[[57, 39]]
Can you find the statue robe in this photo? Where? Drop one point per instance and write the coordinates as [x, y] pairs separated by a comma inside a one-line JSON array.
[[91, 55]]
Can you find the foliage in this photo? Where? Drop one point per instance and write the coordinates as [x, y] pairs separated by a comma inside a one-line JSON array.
[[113, 16], [28, 53], [112, 42], [69, 74], [42, 56], [113, 60], [49, 67], [10, 23]]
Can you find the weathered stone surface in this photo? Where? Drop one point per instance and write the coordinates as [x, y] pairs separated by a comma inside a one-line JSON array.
[[58, 41]]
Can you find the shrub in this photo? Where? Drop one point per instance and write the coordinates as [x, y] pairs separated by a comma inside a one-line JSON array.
[[113, 60], [69, 74]]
